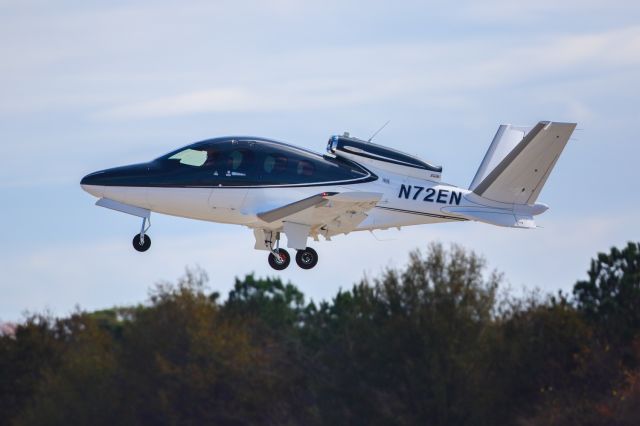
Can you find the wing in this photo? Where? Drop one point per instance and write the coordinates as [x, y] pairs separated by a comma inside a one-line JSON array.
[[326, 214]]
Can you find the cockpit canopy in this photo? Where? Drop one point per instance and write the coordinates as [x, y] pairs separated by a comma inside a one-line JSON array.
[[250, 161]]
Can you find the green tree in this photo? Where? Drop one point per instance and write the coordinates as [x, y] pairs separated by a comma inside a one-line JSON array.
[[276, 304], [188, 364], [611, 295], [409, 348], [276, 315], [429, 343], [24, 357], [536, 356], [82, 388]]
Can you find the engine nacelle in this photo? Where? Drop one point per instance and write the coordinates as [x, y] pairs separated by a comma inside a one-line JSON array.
[[378, 156]]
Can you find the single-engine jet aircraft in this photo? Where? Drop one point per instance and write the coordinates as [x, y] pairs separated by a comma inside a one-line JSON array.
[[275, 188]]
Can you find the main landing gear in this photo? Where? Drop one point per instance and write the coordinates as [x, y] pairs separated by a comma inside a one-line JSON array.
[[307, 258], [279, 258], [141, 241]]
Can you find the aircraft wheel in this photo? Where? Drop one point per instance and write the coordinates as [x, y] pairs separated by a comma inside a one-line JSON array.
[[144, 246], [281, 261], [307, 258]]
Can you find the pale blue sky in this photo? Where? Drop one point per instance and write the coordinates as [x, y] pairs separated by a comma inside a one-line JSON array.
[[89, 85]]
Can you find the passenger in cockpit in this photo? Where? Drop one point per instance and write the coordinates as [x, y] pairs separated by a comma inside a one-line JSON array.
[[215, 162], [305, 168], [280, 165], [239, 163]]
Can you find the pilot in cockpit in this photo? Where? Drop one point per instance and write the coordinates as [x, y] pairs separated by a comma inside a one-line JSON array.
[[239, 162]]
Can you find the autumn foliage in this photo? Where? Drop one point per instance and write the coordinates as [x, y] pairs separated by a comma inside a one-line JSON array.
[[436, 343]]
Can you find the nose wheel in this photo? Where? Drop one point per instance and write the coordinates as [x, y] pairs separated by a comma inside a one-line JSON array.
[[307, 258], [141, 241]]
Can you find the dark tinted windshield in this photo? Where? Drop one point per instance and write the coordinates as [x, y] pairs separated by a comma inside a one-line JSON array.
[[247, 161]]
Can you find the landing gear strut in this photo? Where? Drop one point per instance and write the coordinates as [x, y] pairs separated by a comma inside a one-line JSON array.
[[307, 258], [279, 258], [141, 241]]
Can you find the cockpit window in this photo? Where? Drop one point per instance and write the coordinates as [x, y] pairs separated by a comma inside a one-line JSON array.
[[251, 162], [269, 163], [235, 160], [274, 163], [305, 168], [239, 163], [190, 157]]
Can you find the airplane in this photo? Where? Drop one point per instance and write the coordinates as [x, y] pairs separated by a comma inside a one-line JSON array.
[[276, 188]]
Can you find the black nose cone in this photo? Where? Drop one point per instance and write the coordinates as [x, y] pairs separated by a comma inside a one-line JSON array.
[[134, 175], [92, 179]]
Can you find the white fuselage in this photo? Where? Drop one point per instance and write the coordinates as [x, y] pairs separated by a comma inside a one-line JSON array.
[[273, 187], [405, 201]]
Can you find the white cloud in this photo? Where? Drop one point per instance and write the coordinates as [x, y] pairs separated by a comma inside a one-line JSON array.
[[294, 96], [437, 73], [501, 11], [159, 60]]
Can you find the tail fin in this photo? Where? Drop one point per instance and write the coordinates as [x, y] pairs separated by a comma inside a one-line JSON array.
[[519, 161]]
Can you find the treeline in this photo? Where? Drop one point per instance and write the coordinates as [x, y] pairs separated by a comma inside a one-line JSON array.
[[435, 343]]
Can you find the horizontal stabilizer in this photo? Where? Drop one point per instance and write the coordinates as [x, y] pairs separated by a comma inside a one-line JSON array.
[[493, 217], [519, 162]]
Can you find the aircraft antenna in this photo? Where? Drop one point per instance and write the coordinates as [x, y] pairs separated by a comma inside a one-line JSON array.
[[378, 131], [380, 239]]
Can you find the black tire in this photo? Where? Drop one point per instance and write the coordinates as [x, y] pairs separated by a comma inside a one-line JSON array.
[[141, 247], [307, 258], [282, 263]]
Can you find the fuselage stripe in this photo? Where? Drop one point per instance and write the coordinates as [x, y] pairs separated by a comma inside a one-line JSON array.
[[439, 216]]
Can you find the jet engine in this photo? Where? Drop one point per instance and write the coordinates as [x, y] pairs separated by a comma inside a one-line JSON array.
[[381, 157]]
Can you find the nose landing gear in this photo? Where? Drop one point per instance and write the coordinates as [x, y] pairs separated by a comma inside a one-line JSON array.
[[141, 241]]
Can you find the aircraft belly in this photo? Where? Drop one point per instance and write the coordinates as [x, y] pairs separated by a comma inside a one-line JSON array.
[[384, 217], [225, 205], [135, 196], [185, 202]]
